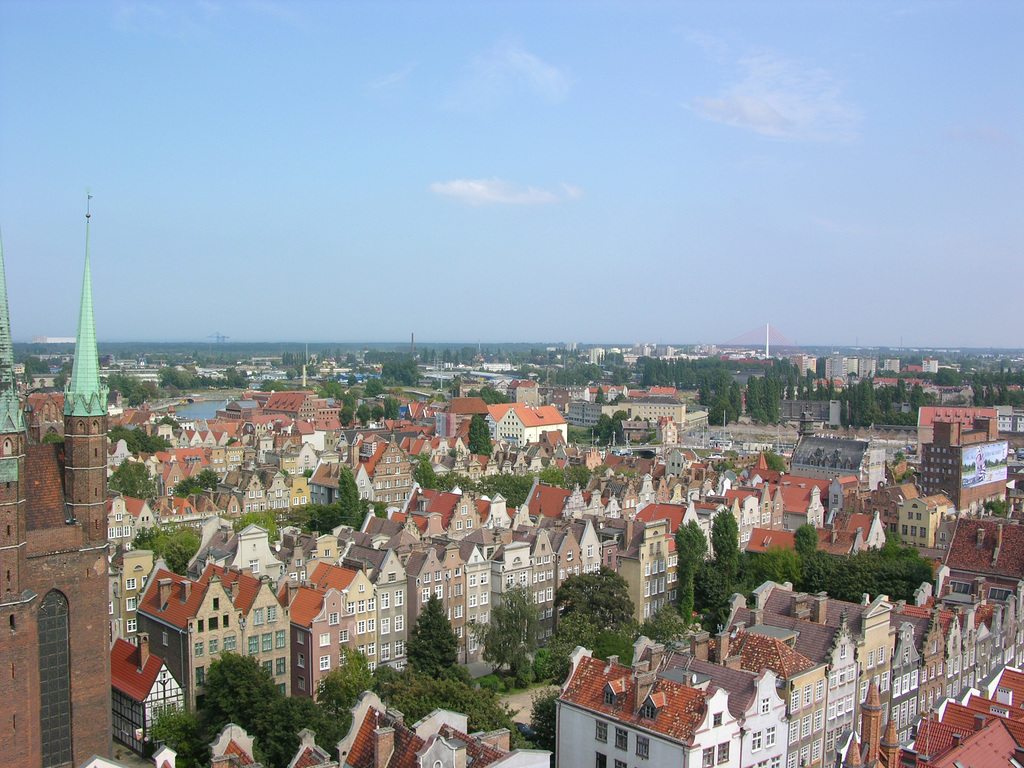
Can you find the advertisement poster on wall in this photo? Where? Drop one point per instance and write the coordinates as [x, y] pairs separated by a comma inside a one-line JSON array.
[[984, 464]]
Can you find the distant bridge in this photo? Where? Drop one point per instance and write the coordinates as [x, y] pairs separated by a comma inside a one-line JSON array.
[[767, 338]]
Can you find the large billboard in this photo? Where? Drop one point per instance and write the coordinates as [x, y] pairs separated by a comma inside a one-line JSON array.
[[984, 464]]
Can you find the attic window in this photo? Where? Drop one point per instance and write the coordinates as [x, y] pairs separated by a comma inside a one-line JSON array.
[[648, 710], [609, 697]]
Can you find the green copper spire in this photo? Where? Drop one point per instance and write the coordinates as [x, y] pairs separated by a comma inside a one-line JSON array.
[[85, 394], [11, 417]]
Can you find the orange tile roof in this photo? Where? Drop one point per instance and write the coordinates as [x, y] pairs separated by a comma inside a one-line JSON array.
[[329, 576], [678, 719], [759, 652], [762, 539]]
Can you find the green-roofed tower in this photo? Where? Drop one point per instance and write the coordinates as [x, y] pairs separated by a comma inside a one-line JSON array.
[[85, 394], [11, 417]]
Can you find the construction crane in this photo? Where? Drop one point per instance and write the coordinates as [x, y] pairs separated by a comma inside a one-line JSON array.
[[219, 337]]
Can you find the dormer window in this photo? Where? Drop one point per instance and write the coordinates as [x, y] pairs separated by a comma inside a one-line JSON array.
[[648, 710], [609, 697]]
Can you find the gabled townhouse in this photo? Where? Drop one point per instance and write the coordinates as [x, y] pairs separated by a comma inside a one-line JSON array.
[[478, 591], [278, 490], [610, 714], [141, 688], [754, 699], [322, 627], [425, 577], [190, 623], [384, 568], [449, 555], [799, 680], [129, 571], [247, 550], [643, 561], [126, 518], [543, 565], [511, 566]]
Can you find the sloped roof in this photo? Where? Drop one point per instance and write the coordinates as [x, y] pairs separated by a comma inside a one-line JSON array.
[[1006, 560], [763, 539], [125, 674], [678, 719], [759, 652]]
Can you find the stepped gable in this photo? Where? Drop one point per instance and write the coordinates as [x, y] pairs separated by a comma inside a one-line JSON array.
[[681, 708]]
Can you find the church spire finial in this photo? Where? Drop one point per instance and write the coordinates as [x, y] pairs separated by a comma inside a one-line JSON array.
[[11, 417], [85, 394]]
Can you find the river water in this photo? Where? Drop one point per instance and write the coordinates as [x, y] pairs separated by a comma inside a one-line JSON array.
[[206, 409]]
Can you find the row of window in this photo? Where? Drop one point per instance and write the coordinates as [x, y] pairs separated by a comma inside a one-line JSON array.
[[642, 743]]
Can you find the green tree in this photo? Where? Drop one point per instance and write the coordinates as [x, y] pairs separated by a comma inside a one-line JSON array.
[[132, 479], [338, 691], [52, 437], [511, 635], [479, 436], [266, 520], [806, 540], [417, 695], [177, 546], [692, 550], [574, 629], [238, 690], [373, 387], [349, 503], [775, 462], [725, 545], [183, 732], [664, 627], [603, 596], [776, 564], [391, 408], [432, 647], [543, 718]]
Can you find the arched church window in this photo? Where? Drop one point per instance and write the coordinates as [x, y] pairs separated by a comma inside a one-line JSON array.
[[54, 681]]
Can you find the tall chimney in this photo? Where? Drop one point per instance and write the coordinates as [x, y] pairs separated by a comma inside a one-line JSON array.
[[186, 590], [819, 611], [143, 650], [722, 646], [164, 587], [383, 746], [644, 685], [699, 645]]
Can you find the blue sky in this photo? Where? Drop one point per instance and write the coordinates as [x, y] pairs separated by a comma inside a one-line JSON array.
[[594, 172]]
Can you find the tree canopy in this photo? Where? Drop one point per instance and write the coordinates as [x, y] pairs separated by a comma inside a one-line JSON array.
[[432, 647], [603, 596], [479, 436], [511, 635], [132, 479]]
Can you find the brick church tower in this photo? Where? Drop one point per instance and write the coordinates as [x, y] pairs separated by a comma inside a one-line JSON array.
[[53, 565]]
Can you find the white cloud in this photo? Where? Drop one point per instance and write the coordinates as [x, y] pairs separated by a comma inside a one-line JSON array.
[[485, 191], [506, 68], [392, 78], [778, 97]]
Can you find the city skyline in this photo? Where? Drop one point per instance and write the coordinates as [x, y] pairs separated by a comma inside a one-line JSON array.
[[277, 171]]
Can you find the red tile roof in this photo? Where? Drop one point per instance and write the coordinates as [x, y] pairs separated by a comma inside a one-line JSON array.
[[966, 555], [125, 674], [672, 512], [762, 539], [678, 719], [759, 652]]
